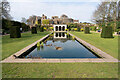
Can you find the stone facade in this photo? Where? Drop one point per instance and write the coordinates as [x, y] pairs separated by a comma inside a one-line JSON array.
[[76, 21], [62, 20], [44, 17]]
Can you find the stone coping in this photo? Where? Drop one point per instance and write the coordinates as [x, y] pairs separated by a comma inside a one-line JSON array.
[[58, 60], [105, 56], [94, 49]]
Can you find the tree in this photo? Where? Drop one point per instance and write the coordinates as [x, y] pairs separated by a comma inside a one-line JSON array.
[[105, 14], [118, 15], [31, 20], [45, 22], [5, 10], [24, 20]]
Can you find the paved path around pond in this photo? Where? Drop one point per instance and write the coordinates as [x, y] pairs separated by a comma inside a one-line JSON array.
[[105, 57]]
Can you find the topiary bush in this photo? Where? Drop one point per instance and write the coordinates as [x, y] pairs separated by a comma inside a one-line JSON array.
[[15, 32], [87, 30], [78, 29], [42, 29], [107, 32], [34, 30]]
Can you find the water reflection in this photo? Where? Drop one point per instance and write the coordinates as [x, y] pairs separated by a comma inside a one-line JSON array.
[[38, 48], [60, 35], [60, 45]]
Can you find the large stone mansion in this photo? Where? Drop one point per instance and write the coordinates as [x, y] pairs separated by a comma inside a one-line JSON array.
[[63, 19]]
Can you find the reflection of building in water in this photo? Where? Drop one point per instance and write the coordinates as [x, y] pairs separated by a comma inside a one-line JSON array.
[[60, 28], [60, 35]]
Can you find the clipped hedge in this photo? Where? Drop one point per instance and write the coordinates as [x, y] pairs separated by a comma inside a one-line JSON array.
[[87, 30], [15, 32], [34, 30], [78, 29], [42, 29], [107, 32]]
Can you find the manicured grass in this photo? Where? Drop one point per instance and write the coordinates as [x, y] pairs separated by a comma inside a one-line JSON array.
[[60, 70], [51, 70], [109, 45], [12, 45]]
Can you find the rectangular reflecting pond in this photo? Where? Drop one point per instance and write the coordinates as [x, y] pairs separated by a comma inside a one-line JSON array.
[[60, 45]]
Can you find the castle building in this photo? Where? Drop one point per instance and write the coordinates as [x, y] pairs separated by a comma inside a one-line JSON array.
[[44, 17], [62, 20], [75, 21]]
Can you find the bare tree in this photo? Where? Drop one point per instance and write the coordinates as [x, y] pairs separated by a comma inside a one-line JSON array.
[[31, 20], [5, 9], [106, 13], [24, 20]]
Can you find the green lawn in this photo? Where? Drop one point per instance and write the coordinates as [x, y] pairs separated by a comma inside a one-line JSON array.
[[52, 70], [12, 45], [110, 46], [60, 70]]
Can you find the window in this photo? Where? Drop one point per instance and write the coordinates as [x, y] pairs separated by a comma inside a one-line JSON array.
[[56, 35], [59, 34], [63, 34], [63, 28], [56, 28], [59, 28]]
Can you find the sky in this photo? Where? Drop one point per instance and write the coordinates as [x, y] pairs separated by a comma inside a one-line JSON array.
[[81, 10]]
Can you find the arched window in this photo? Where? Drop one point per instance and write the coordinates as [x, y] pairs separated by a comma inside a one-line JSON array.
[[56, 28], [59, 34], [59, 28], [56, 35], [63, 34], [63, 28]]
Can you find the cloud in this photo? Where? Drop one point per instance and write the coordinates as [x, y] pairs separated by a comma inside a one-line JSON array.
[[76, 10]]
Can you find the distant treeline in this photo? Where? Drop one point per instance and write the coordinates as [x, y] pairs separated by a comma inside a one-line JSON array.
[[7, 24]]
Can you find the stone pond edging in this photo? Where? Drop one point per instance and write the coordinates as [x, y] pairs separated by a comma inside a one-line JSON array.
[[105, 57]]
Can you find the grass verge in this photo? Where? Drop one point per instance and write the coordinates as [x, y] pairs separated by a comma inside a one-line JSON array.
[[12, 45], [60, 70], [109, 45]]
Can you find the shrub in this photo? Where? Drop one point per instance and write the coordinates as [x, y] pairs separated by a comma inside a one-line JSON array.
[[117, 30], [107, 32], [34, 30], [82, 29], [45, 29], [87, 30], [25, 27], [75, 29], [72, 29], [42, 29], [78, 29], [51, 28], [15, 32], [66, 29], [95, 28]]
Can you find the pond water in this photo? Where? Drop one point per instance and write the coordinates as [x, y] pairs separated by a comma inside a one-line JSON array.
[[61, 45]]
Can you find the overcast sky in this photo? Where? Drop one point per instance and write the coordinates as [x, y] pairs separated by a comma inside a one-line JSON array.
[[76, 9]]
